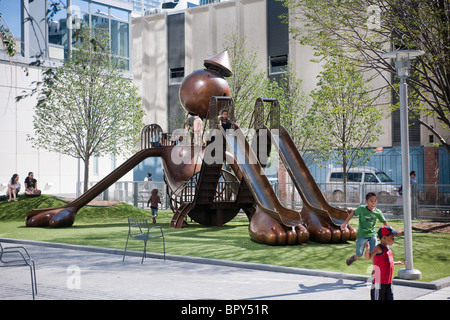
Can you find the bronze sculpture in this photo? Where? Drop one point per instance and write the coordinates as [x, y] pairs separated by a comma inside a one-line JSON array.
[[200, 188]]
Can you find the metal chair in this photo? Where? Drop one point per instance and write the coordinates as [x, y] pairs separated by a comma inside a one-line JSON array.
[[18, 256], [139, 229]]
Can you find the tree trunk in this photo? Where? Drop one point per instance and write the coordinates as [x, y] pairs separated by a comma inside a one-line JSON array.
[[344, 172], [86, 173]]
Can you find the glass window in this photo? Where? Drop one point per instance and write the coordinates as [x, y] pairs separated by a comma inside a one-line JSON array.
[[100, 23], [278, 64], [354, 176], [100, 9], [370, 177], [123, 63], [120, 38], [176, 75], [383, 177], [119, 14], [11, 12], [57, 25], [336, 176], [79, 21], [80, 5]]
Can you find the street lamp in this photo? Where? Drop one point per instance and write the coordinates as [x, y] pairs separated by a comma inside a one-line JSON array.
[[402, 65]]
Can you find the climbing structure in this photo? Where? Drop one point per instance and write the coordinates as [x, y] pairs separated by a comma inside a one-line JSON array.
[[212, 178]]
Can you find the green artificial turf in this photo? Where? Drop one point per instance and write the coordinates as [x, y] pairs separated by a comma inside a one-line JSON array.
[[107, 227]]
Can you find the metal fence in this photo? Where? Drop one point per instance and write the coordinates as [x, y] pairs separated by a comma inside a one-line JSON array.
[[389, 161], [427, 201], [136, 193]]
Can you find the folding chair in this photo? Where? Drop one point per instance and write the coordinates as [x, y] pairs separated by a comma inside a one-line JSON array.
[[18, 256], [139, 229]]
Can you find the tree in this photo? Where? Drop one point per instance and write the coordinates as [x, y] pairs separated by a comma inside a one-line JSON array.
[[296, 114], [352, 121], [87, 107], [362, 30], [247, 82]]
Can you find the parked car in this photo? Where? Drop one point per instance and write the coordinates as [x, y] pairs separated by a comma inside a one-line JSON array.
[[360, 180]]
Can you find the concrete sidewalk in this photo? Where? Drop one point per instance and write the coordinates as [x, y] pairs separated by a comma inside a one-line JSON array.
[[71, 272]]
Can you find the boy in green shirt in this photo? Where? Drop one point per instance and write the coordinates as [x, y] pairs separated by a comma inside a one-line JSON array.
[[368, 215]]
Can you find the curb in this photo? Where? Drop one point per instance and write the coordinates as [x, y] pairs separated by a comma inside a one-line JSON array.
[[433, 285]]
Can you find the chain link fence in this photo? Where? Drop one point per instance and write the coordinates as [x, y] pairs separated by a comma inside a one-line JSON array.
[[427, 201]]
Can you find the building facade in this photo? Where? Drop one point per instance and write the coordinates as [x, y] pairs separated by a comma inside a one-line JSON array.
[[160, 48], [171, 44], [55, 173]]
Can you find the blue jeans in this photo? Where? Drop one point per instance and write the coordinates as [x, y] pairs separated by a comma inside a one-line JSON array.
[[154, 212], [360, 244]]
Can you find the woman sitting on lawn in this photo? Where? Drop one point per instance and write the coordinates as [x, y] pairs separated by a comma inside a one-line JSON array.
[[31, 189], [13, 188]]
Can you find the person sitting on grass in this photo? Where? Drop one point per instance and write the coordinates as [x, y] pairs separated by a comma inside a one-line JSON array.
[[368, 215], [31, 189], [13, 188]]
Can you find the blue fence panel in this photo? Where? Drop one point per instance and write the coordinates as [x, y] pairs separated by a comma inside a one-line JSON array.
[[444, 168]]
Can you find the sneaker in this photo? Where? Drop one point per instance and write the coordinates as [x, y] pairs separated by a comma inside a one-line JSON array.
[[350, 260]]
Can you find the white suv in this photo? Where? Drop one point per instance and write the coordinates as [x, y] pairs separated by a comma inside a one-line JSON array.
[[360, 181]]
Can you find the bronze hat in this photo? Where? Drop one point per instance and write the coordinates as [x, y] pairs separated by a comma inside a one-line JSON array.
[[221, 62]]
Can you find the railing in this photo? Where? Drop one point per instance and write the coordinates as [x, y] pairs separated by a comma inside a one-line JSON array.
[[225, 191], [427, 201], [136, 193]]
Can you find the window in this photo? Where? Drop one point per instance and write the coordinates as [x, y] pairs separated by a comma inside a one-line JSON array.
[[119, 14], [100, 9], [120, 38], [11, 11], [95, 165], [176, 75], [278, 64], [351, 176], [383, 177], [57, 27], [100, 22], [80, 5], [113, 20], [370, 177], [336, 176], [354, 176]]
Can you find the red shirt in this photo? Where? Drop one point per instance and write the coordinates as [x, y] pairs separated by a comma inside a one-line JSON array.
[[383, 266]]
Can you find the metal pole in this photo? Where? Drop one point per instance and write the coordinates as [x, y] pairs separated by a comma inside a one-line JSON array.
[[409, 272]]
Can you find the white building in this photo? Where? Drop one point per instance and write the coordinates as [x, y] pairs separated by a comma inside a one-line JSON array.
[[55, 173], [161, 47]]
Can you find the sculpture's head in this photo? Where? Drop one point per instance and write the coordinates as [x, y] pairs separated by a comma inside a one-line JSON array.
[[199, 86]]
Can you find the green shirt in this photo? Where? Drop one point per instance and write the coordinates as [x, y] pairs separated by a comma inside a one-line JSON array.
[[367, 221]]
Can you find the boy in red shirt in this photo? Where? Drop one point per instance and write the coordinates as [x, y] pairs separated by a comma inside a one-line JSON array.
[[383, 264]]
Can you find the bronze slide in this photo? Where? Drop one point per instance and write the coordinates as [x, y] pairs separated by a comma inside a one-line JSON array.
[[303, 180], [321, 219], [176, 174], [257, 181]]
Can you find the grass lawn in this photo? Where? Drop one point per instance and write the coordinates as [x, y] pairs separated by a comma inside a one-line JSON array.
[[107, 227]]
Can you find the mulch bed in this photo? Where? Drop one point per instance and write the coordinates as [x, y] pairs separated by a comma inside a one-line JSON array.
[[432, 227], [95, 203]]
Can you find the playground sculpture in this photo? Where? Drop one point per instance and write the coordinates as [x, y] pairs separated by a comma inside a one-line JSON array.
[[200, 187]]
